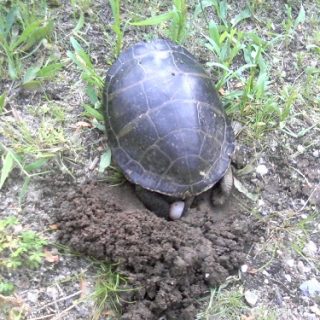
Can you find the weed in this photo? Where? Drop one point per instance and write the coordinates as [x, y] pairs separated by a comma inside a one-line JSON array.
[[6, 288], [83, 5], [108, 288], [20, 248], [224, 305], [29, 149], [250, 80], [116, 26], [22, 34], [290, 24], [177, 17], [88, 74]]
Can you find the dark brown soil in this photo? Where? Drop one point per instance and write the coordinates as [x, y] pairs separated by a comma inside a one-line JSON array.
[[169, 264]]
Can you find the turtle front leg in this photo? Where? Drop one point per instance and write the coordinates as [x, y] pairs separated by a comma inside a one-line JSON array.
[[222, 190], [161, 205]]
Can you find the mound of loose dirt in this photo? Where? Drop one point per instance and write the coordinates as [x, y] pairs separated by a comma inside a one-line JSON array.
[[169, 264]]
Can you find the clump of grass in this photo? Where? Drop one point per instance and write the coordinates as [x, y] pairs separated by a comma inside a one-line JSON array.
[[177, 18], [30, 148], [290, 229], [18, 249], [94, 82], [116, 26], [224, 305], [290, 24], [240, 63], [107, 292], [23, 31]]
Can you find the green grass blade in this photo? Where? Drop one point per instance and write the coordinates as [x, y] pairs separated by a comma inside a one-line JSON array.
[[24, 189], [33, 34], [36, 164], [31, 73], [301, 17], [50, 70], [7, 166], [89, 111], [2, 102], [155, 20], [26, 34]]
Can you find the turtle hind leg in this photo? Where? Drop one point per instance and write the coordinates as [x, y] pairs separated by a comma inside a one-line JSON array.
[[222, 190]]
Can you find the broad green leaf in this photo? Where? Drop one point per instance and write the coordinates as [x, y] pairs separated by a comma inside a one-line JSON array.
[[11, 19], [155, 20], [13, 73], [92, 94], [26, 34], [244, 14], [31, 73], [32, 85], [301, 17], [201, 6], [38, 34], [80, 23], [7, 166], [50, 70], [105, 160], [93, 113]]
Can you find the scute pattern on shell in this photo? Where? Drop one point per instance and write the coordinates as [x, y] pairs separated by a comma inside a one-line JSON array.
[[166, 127]]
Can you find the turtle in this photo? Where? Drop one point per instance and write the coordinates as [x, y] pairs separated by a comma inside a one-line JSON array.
[[167, 128]]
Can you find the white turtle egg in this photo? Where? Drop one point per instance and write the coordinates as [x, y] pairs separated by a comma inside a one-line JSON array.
[[176, 210]]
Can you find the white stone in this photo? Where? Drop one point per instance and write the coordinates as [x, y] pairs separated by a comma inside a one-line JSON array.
[[310, 249], [262, 169], [244, 268], [300, 148], [33, 296], [251, 297], [288, 277], [315, 153], [290, 263], [310, 288]]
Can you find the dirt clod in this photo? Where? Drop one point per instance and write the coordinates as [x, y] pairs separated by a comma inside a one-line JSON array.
[[169, 264]]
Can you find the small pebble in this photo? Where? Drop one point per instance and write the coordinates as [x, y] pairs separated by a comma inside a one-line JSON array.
[[262, 169], [290, 263], [315, 153], [310, 249], [251, 297], [301, 267], [310, 288], [266, 281], [300, 148], [315, 309], [33, 296], [288, 277], [53, 293], [244, 268]]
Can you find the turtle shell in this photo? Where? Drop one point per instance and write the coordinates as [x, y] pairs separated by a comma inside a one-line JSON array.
[[167, 129]]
